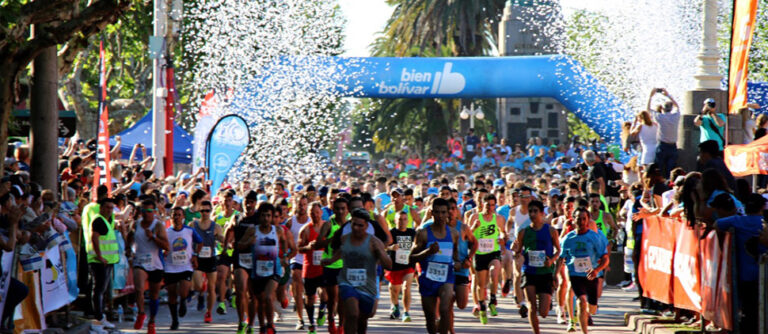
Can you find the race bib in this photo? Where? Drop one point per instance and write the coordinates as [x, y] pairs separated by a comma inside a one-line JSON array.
[[485, 246], [317, 256], [582, 264], [265, 268], [437, 272], [144, 260], [356, 277], [401, 256], [470, 148], [536, 258], [206, 252], [179, 258], [246, 260]]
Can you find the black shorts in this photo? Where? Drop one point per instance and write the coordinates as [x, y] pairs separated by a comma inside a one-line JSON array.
[[285, 278], [542, 283], [173, 278], [330, 276], [460, 280], [223, 259], [259, 284], [483, 261], [296, 266], [154, 276], [311, 285], [207, 265], [582, 286]]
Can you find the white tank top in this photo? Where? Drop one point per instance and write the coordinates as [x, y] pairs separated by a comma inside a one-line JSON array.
[[295, 229], [521, 221], [146, 253], [265, 251], [179, 259]]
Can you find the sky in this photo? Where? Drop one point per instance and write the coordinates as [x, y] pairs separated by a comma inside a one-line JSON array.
[[365, 18]]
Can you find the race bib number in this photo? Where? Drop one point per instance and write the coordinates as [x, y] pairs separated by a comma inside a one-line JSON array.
[[144, 260], [485, 246], [265, 268], [206, 252], [179, 258], [437, 272], [582, 264], [470, 148], [317, 256], [356, 277], [536, 258], [401, 256], [246, 261]]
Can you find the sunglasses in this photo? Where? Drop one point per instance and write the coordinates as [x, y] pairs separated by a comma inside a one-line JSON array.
[[148, 210], [205, 210]]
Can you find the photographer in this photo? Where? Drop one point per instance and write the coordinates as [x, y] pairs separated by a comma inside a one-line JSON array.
[[711, 124]]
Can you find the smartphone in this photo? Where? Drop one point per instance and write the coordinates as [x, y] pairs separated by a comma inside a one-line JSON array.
[[659, 90]]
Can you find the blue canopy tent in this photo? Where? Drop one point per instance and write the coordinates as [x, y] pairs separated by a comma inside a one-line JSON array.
[[141, 132]]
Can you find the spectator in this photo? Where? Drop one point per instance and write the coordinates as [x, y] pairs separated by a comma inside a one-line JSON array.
[[471, 144], [647, 130], [710, 157], [711, 124], [668, 120]]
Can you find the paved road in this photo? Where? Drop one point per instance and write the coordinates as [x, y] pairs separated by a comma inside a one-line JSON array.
[[609, 319]]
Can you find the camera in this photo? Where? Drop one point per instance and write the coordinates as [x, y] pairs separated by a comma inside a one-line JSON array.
[[710, 102], [659, 90]]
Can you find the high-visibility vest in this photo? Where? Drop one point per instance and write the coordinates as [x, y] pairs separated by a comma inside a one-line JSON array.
[[107, 244]]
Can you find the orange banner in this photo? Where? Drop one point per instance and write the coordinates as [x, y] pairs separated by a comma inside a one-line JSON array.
[[655, 268], [744, 13], [724, 317], [686, 283], [749, 159], [710, 264]]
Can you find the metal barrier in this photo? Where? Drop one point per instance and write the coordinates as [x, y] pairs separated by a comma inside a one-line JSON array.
[[763, 290]]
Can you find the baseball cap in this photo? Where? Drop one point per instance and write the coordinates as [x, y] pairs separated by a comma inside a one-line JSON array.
[[323, 191], [262, 198], [467, 193], [554, 192], [498, 182], [432, 191], [396, 190], [298, 188]]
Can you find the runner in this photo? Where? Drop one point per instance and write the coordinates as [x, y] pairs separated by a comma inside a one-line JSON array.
[[299, 219], [149, 240], [606, 226], [539, 245], [564, 292], [287, 250], [331, 271], [435, 248], [519, 220], [401, 275], [490, 231], [361, 252], [398, 205], [264, 242], [580, 250], [206, 263], [312, 270], [467, 246], [242, 262], [180, 261], [225, 213]]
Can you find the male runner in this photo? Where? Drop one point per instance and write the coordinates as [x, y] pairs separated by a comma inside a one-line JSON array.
[[584, 252], [206, 263], [312, 269], [539, 245], [401, 275], [150, 239], [331, 271], [361, 252], [180, 262], [224, 251], [519, 220], [490, 231], [435, 248], [242, 262], [398, 205], [299, 219]]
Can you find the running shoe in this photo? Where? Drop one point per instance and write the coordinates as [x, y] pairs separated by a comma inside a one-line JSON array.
[[331, 327], [406, 317], [571, 327], [625, 283], [106, 324], [278, 317], [523, 311], [312, 330], [200, 302], [476, 312], [233, 301], [139, 321], [589, 321], [182, 308], [151, 328], [395, 311], [560, 318], [174, 325], [483, 317], [321, 318], [285, 303], [505, 288], [241, 327], [207, 318], [222, 308], [299, 325], [271, 330], [494, 312], [630, 288]]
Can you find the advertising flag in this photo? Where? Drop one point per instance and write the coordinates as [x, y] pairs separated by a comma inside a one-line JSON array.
[[102, 149], [226, 142], [205, 121], [744, 14]]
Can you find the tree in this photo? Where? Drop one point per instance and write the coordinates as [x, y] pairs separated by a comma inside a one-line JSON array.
[[60, 22]]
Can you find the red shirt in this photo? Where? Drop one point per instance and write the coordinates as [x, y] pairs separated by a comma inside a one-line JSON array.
[[308, 270]]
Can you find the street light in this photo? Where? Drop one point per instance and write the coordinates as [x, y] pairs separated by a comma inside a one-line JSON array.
[[467, 113]]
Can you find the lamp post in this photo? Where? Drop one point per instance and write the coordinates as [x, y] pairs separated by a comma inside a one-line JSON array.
[[468, 113]]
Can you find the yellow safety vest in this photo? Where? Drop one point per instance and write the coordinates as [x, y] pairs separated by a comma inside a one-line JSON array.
[[107, 244]]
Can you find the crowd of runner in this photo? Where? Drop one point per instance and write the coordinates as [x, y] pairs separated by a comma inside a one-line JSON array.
[[541, 236]]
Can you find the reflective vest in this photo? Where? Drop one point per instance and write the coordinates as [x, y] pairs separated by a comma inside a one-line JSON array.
[[107, 244]]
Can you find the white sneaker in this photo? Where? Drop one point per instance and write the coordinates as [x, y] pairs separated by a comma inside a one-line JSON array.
[[624, 283], [560, 319], [106, 324], [630, 288]]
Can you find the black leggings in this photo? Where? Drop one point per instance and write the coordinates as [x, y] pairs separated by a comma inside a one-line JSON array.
[[17, 291], [102, 276]]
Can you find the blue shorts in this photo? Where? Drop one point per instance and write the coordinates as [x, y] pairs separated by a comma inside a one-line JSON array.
[[364, 302], [430, 288], [296, 266]]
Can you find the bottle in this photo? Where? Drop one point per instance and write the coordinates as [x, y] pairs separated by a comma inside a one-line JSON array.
[[120, 313]]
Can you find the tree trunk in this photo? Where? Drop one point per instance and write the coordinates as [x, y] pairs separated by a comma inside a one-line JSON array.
[[44, 120], [7, 87]]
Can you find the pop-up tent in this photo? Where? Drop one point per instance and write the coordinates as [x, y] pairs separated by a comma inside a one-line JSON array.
[[141, 132]]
